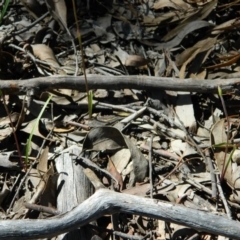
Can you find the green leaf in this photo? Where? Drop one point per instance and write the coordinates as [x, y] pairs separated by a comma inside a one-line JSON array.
[[229, 160], [219, 91], [5, 6], [34, 128], [90, 103], [222, 145]]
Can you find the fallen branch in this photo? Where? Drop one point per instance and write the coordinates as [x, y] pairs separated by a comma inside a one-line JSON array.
[[119, 82], [109, 202]]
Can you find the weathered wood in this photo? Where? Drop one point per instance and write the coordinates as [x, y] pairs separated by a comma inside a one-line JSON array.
[[119, 82], [74, 187], [109, 202]]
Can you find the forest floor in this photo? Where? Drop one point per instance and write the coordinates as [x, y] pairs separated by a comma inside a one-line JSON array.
[[149, 108]]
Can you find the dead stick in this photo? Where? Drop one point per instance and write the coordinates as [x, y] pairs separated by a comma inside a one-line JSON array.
[[109, 202], [119, 82]]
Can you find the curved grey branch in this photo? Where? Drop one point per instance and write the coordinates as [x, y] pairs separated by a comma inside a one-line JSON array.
[[120, 82], [109, 202]]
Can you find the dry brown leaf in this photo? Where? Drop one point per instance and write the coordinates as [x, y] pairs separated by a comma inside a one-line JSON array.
[[112, 169], [28, 126], [199, 2], [177, 145], [136, 61], [202, 45], [233, 23], [231, 4], [5, 133], [183, 68], [166, 17], [93, 179], [6, 162], [45, 53], [233, 60], [139, 190], [59, 11], [195, 16], [185, 112], [63, 130], [218, 134], [188, 28], [43, 161], [49, 194], [202, 75], [229, 56], [121, 159], [176, 4], [45, 183], [5, 120], [236, 156], [42, 184]]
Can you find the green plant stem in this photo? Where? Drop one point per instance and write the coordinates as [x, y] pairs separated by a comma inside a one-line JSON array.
[[229, 160], [34, 127], [5, 6]]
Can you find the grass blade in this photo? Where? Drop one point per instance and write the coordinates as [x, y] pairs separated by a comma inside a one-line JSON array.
[[34, 128]]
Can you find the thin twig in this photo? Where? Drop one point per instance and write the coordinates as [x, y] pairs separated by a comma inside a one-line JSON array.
[[121, 82], [29, 26], [116, 107], [229, 214], [150, 166], [213, 175], [133, 115], [162, 153], [189, 137], [198, 185], [170, 173], [41, 208], [86, 162]]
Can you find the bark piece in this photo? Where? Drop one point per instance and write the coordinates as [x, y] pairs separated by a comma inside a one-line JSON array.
[[74, 187]]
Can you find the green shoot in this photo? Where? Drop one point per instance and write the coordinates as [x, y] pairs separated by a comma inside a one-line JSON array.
[[223, 145], [34, 128], [219, 91], [83, 62], [90, 102], [228, 133], [5, 6], [229, 159]]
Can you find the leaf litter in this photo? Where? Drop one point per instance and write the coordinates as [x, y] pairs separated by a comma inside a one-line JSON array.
[[72, 154]]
